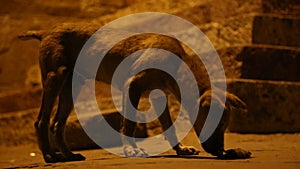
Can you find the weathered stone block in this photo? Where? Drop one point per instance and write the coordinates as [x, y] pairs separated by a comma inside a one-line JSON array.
[[254, 29], [77, 138], [273, 106], [276, 30], [262, 62], [17, 128]]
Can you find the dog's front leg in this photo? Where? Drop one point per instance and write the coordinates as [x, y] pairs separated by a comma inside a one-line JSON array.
[[215, 143], [170, 132]]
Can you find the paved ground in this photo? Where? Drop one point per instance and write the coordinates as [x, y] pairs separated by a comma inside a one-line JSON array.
[[269, 151]]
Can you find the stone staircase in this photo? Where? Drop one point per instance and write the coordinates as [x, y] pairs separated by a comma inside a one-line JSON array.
[[268, 74], [267, 79]]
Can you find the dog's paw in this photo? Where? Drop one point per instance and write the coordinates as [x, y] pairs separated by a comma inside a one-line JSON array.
[[237, 153], [187, 150], [58, 157], [54, 158], [75, 157], [50, 159], [135, 152]]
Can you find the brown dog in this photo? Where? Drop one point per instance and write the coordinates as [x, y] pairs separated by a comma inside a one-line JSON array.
[[59, 50]]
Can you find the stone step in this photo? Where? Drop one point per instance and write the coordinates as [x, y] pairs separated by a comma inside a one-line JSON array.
[[17, 128], [285, 7], [207, 11], [29, 98], [20, 100], [253, 28], [276, 30], [262, 62], [273, 106]]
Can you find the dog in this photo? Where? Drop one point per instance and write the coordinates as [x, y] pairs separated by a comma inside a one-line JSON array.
[[59, 50]]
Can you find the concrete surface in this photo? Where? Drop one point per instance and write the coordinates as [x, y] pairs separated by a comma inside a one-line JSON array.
[[268, 151]]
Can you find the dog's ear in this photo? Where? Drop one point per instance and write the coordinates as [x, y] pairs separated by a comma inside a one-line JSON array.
[[209, 97], [205, 99], [232, 101]]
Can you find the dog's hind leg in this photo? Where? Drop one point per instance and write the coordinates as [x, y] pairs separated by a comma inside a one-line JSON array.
[[128, 127], [215, 143], [52, 86], [65, 106]]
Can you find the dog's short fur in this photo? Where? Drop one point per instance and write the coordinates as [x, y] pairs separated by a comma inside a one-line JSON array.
[[59, 50]]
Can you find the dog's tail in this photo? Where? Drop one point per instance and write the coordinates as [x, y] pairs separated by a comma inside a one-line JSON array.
[[39, 35]]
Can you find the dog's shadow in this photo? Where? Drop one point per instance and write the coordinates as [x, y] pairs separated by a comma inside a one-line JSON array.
[[184, 156], [195, 157]]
